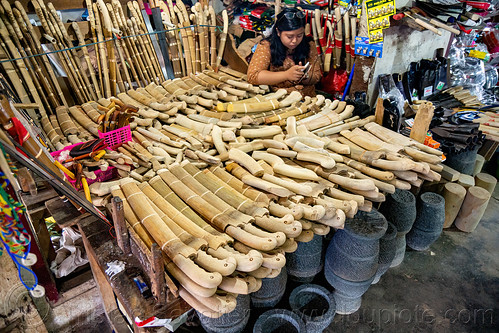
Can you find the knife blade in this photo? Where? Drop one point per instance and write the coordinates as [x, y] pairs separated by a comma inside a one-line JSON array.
[[158, 24], [154, 39]]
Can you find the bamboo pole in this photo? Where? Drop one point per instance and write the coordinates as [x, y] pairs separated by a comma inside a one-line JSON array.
[[120, 20], [118, 42], [106, 83], [107, 27], [72, 55], [59, 33], [36, 61], [10, 45], [93, 31], [223, 39], [137, 54], [141, 46], [86, 55], [159, 77], [172, 39], [29, 63]]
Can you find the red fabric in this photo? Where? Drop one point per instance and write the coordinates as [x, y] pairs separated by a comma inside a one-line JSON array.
[[18, 133]]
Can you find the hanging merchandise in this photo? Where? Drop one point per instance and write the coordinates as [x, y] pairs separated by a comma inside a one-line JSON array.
[[378, 18], [15, 240], [365, 48], [254, 17]]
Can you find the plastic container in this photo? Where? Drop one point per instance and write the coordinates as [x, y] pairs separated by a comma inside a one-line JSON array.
[[101, 176], [117, 137]]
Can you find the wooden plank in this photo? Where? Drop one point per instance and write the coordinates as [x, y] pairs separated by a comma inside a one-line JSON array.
[[104, 248], [105, 289], [119, 225], [142, 253], [488, 149], [422, 122], [26, 180], [65, 215], [43, 236], [450, 174], [378, 115], [157, 274], [232, 57], [32, 201]]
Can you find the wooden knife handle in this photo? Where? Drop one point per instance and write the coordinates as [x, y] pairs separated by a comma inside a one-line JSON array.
[[445, 26]]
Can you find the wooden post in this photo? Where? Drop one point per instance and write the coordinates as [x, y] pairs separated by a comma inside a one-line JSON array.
[[472, 210], [380, 110], [119, 225], [454, 196], [466, 180], [449, 174], [480, 160], [157, 274], [422, 121], [486, 181]]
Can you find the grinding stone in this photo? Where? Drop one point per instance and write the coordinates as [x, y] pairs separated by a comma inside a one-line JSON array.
[[400, 209]]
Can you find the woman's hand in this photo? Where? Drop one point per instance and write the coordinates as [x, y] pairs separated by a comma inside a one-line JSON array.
[[295, 73]]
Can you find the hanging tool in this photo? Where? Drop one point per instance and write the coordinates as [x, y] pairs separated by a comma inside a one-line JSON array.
[[419, 13], [428, 26]]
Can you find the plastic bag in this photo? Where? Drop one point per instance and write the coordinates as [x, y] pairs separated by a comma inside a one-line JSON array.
[[334, 83], [394, 101]]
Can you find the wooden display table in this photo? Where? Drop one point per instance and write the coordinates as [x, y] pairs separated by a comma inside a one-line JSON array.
[[123, 301]]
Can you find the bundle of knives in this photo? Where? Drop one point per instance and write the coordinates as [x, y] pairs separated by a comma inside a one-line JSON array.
[[115, 116]]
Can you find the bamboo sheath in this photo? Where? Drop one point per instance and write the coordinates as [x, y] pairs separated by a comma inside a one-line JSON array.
[[168, 241], [207, 195], [215, 216], [226, 193], [144, 235]]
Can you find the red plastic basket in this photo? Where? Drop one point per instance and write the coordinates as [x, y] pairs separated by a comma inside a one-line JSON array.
[[117, 137]]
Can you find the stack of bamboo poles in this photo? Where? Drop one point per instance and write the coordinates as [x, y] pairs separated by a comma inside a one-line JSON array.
[[220, 237], [170, 127], [125, 56], [278, 168]]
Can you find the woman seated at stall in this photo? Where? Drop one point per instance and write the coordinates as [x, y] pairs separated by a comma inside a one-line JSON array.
[[281, 60]]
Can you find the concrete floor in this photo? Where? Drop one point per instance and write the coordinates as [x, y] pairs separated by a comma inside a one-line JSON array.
[[452, 287]]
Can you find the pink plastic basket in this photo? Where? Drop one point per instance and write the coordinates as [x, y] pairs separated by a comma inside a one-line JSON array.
[[117, 137], [102, 176]]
